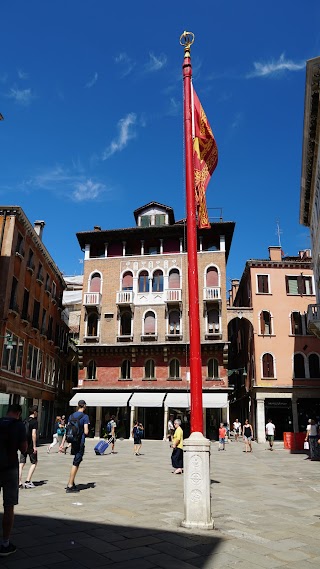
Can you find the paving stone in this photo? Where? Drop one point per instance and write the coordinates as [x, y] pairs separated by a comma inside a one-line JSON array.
[[128, 554]]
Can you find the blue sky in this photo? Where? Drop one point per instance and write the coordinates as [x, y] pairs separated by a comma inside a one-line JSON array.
[[91, 93]]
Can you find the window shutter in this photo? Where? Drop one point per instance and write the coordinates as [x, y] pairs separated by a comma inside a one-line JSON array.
[[262, 323], [95, 283], [149, 323], [127, 281], [174, 279], [212, 278], [300, 285], [267, 366]]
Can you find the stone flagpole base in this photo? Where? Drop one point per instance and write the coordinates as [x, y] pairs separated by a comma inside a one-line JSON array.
[[196, 466]]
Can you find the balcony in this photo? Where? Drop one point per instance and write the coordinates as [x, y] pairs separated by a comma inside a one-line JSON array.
[[124, 297], [173, 295], [149, 337], [92, 299], [212, 294], [313, 319]]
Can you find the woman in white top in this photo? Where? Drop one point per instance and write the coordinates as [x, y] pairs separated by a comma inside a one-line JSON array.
[[312, 436]]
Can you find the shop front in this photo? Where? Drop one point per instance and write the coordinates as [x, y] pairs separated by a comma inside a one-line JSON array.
[[280, 412]]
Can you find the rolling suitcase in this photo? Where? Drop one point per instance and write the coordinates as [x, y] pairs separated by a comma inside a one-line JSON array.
[[101, 447]]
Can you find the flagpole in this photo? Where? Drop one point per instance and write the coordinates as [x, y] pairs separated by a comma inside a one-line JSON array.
[[196, 415]]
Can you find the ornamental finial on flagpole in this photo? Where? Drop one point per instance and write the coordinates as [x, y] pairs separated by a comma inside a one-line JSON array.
[[186, 40]]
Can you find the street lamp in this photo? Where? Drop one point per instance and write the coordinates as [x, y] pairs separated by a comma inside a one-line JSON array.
[[9, 339], [236, 370]]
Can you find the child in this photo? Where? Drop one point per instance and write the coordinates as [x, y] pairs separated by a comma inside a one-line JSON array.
[[222, 437]]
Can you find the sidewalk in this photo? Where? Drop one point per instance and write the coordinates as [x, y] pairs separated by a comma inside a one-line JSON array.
[[266, 507]]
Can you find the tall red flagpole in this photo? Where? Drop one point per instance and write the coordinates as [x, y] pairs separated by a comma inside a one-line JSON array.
[[186, 40]]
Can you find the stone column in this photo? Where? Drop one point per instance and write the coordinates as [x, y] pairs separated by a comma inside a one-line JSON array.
[[197, 500], [132, 413], [260, 435], [165, 423], [295, 415], [97, 428]]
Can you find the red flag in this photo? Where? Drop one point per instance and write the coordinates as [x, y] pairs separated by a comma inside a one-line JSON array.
[[205, 158]]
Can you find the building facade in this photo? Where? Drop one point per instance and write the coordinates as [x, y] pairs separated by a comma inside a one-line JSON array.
[[134, 329], [274, 362], [34, 334], [310, 179]]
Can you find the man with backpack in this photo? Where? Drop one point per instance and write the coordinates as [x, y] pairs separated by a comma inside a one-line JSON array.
[[77, 430], [12, 438], [31, 427]]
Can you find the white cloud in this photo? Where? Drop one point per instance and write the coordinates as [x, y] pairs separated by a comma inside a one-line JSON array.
[[126, 133], [21, 96], [125, 62], [92, 81], [156, 63], [87, 190], [275, 67], [72, 183], [22, 74]]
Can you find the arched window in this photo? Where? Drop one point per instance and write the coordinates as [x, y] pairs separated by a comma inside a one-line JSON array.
[[314, 369], [213, 321], [298, 366], [127, 281], [296, 323], [149, 369], [157, 281], [174, 369], [267, 365], [91, 370], [265, 323], [212, 277], [125, 369], [125, 324], [149, 323], [143, 281], [92, 329], [174, 279], [95, 282], [174, 322], [213, 369]]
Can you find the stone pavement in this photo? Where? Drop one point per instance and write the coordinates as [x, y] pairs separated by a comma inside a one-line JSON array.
[[266, 507]]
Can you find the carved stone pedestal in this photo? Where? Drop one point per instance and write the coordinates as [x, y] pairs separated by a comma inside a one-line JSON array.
[[196, 466]]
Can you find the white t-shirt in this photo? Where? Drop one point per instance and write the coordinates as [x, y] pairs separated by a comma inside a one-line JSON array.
[[237, 426], [270, 428]]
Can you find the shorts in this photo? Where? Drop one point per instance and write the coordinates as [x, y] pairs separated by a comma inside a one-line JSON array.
[[32, 455], [9, 483], [249, 439], [77, 450], [137, 441], [270, 438], [222, 440]]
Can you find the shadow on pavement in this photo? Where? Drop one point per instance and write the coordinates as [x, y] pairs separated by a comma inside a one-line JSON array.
[[49, 542]]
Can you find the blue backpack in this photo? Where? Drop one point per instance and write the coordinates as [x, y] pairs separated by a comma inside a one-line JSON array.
[[74, 431]]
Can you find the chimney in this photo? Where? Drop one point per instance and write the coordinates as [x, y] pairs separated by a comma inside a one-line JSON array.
[[97, 228], [38, 227], [305, 254], [275, 253], [234, 289]]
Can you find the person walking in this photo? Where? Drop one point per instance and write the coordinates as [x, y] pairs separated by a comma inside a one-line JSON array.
[[222, 437], [31, 426], [77, 429], [58, 432], [237, 430], [270, 432], [247, 435], [13, 437], [312, 436], [111, 432], [177, 446], [137, 433], [170, 427]]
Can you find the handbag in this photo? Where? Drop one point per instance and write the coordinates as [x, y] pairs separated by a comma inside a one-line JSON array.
[[306, 445]]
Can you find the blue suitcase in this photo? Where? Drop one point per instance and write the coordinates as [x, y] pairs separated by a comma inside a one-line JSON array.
[[101, 447]]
